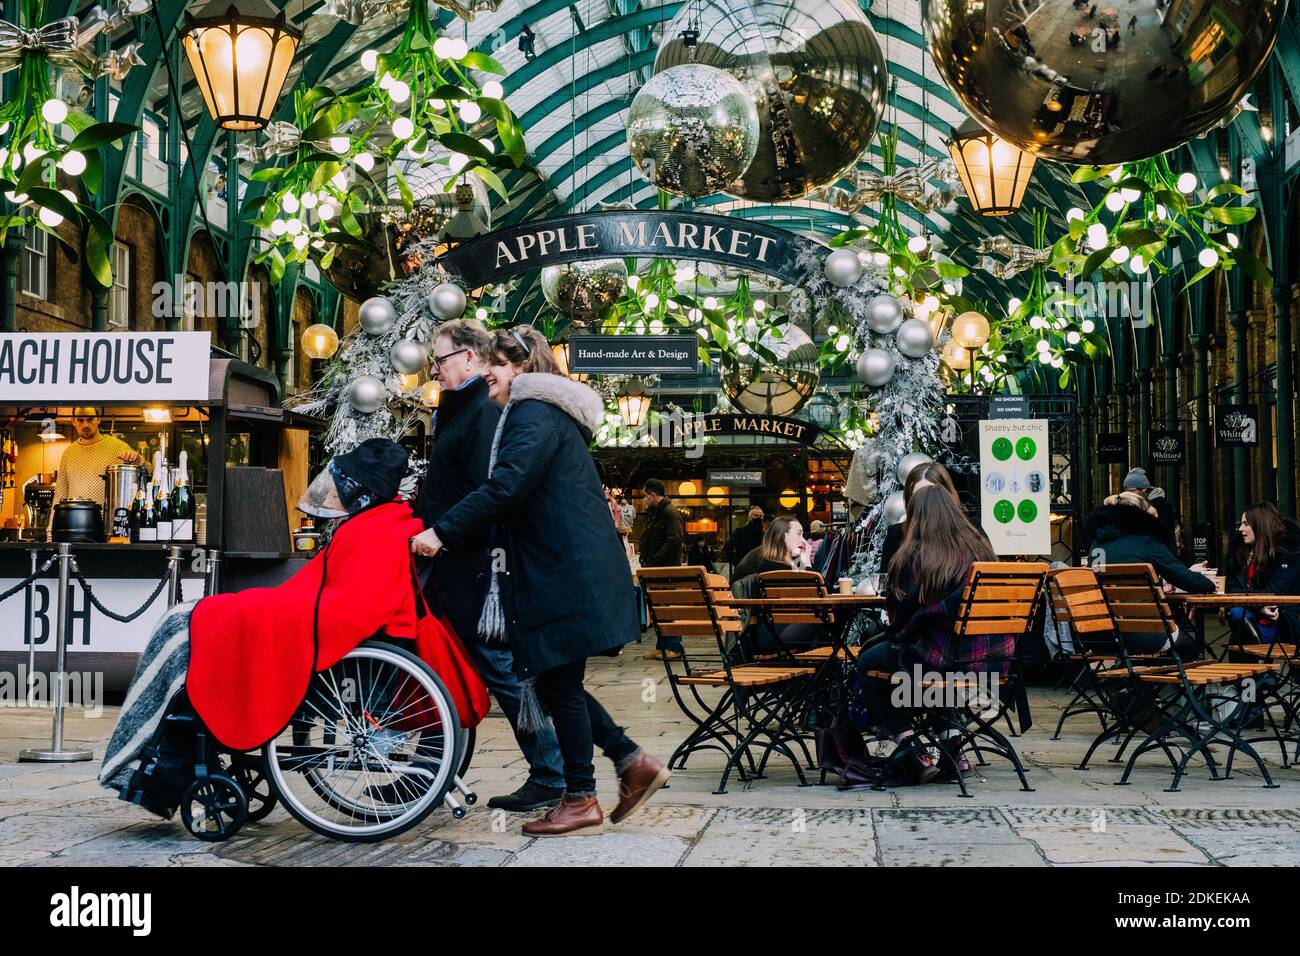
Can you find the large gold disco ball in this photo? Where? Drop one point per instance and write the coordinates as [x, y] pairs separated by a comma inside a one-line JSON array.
[[389, 229], [1134, 80], [815, 72], [584, 290], [692, 130], [761, 387]]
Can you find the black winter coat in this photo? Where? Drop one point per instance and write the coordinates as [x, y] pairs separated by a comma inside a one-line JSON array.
[[567, 591], [462, 443], [663, 538], [1123, 534], [745, 540]]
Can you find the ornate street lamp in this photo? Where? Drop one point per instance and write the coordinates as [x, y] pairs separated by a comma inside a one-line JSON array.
[[633, 403], [240, 63], [993, 172]]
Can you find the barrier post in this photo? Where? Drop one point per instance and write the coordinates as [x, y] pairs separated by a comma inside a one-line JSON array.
[[55, 753], [173, 576], [30, 596], [213, 572]]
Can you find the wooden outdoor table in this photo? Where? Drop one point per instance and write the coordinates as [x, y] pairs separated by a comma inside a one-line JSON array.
[[1215, 601], [831, 601]]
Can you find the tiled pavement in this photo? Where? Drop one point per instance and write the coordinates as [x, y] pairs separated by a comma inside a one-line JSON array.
[[58, 815]]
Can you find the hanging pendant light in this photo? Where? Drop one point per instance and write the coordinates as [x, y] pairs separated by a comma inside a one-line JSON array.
[[240, 63], [993, 172], [633, 403]]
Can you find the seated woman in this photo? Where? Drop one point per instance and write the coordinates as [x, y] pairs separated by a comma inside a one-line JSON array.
[[1127, 530], [782, 550], [1264, 556], [926, 579], [923, 475], [245, 658]]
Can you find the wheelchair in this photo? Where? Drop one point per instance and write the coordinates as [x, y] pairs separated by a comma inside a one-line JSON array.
[[372, 750]]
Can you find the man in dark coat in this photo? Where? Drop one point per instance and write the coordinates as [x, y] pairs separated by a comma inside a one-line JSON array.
[[1124, 530], [661, 547], [745, 539], [463, 428]]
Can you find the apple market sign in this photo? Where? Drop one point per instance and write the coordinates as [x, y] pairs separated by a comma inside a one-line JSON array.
[[628, 234], [93, 367]]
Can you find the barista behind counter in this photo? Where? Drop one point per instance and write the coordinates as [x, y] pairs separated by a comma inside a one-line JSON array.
[[81, 470]]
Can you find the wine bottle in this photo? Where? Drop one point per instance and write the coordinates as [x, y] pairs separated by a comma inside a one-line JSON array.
[[135, 514], [162, 505], [182, 503], [148, 520]]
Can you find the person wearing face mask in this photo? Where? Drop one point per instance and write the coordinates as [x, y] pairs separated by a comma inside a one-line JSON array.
[[566, 593], [463, 427]]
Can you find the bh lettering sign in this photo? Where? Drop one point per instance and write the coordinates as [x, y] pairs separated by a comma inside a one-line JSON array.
[[1236, 426], [628, 234], [93, 367]]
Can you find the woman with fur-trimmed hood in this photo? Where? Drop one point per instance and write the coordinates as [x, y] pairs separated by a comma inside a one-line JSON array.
[[565, 592]]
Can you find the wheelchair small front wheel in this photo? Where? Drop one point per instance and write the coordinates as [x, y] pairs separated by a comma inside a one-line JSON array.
[[213, 808]]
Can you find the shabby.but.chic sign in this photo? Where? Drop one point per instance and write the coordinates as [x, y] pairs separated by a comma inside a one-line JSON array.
[[625, 234], [93, 367]]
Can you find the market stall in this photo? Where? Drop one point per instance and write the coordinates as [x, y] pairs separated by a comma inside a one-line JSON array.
[[165, 483]]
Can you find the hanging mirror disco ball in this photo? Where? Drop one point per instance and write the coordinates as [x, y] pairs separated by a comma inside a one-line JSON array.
[[815, 72], [762, 388], [692, 130], [584, 290], [389, 229], [1129, 82]]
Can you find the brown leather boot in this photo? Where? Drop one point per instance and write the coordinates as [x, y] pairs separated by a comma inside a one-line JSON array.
[[637, 784], [570, 817]]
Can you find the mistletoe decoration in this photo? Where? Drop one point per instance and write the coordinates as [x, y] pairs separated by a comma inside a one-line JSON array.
[[424, 106], [33, 159], [1148, 210]]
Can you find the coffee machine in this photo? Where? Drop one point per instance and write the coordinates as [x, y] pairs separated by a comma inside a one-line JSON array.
[[38, 504]]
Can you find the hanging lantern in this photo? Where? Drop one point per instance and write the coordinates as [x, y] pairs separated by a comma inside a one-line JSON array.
[[633, 403], [240, 63], [319, 341], [561, 352], [430, 393], [789, 498], [954, 356], [993, 172]]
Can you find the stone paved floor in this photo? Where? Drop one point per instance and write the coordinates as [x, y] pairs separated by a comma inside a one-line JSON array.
[[58, 815]]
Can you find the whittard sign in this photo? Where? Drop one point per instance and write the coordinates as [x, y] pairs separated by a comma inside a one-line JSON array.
[[90, 367], [629, 234]]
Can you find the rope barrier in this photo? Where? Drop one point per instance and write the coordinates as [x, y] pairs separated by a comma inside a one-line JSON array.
[[123, 618], [49, 563]]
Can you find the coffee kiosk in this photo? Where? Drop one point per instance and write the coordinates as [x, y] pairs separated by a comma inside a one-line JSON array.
[[162, 393]]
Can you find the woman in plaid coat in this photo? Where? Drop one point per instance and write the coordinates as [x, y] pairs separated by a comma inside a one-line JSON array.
[[926, 579]]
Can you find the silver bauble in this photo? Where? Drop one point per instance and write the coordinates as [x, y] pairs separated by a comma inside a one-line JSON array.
[[376, 315], [895, 509], [908, 462], [1052, 82], [875, 367], [760, 388], [583, 290], [692, 130], [408, 356], [884, 314], [447, 301], [842, 267], [367, 394], [915, 338], [815, 72]]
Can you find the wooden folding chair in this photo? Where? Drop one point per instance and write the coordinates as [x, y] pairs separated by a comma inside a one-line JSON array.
[[683, 603], [1203, 702], [1000, 599], [797, 584], [1075, 601]]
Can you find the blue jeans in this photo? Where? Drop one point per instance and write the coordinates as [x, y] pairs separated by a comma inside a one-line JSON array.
[[541, 750]]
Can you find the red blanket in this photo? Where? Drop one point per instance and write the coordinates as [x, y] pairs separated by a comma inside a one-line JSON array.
[[252, 653]]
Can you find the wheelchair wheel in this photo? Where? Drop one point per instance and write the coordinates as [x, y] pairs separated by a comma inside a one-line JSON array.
[[252, 780], [213, 808], [371, 751]]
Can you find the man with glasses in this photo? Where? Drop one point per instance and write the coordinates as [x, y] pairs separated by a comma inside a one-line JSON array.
[[81, 470], [463, 427]]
